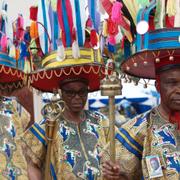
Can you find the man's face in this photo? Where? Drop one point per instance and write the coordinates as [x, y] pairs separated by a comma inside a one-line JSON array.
[[154, 164], [170, 89], [75, 95]]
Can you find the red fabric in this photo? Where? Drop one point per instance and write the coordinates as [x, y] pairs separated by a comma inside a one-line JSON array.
[[54, 82], [8, 78], [175, 118], [70, 16], [112, 27], [60, 19], [151, 23], [169, 21], [93, 38], [107, 5], [33, 13], [165, 61]]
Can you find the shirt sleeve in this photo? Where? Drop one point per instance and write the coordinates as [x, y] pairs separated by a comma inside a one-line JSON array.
[[34, 144], [20, 118], [129, 146]]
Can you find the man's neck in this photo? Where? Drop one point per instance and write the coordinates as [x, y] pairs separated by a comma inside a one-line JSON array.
[[76, 117], [163, 112]]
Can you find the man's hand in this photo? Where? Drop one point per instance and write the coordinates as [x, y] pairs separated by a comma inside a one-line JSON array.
[[111, 171]]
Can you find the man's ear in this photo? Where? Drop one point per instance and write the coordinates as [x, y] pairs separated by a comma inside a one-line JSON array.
[[157, 85]]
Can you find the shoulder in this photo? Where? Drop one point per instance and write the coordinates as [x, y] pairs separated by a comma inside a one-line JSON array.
[[139, 122], [98, 117], [132, 134]]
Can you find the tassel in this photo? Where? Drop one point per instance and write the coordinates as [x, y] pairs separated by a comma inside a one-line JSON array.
[[33, 13], [127, 48], [89, 23], [116, 12], [169, 21], [24, 51], [111, 48], [107, 5], [34, 30], [112, 40], [60, 51], [112, 27], [75, 50], [20, 28], [171, 7], [4, 41], [20, 21], [93, 38], [100, 7], [177, 16], [27, 67], [17, 54], [105, 29], [12, 51], [33, 47]]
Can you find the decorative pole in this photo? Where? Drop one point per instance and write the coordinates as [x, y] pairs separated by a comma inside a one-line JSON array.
[[111, 86], [51, 111]]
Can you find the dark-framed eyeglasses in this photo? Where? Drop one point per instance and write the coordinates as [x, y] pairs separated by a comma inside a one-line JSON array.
[[72, 93]]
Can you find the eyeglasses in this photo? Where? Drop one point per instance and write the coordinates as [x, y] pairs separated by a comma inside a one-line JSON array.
[[72, 93]]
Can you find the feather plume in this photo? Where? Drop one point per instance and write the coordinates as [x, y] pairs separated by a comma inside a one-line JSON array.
[[44, 26], [12, 51], [20, 28], [60, 51], [177, 16], [100, 7], [159, 14], [33, 30], [133, 7], [93, 38], [116, 12], [4, 42], [75, 50], [107, 5], [17, 53], [79, 19], [33, 13]]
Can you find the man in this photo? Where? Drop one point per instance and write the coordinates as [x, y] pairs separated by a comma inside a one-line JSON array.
[[14, 119], [80, 138], [157, 132]]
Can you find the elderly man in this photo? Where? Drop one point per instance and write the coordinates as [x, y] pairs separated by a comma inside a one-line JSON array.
[[81, 136], [155, 134]]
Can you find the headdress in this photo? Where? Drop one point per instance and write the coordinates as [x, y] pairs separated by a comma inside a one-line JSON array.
[[69, 44], [12, 61], [156, 43]]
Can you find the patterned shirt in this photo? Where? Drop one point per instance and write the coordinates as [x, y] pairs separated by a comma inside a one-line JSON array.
[[146, 137], [76, 149], [13, 119]]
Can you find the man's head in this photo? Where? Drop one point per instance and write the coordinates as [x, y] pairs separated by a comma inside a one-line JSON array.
[[74, 93], [154, 163], [168, 85]]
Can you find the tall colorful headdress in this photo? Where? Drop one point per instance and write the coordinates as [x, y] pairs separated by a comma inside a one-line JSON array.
[[12, 51], [150, 34], [69, 41], [156, 43]]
